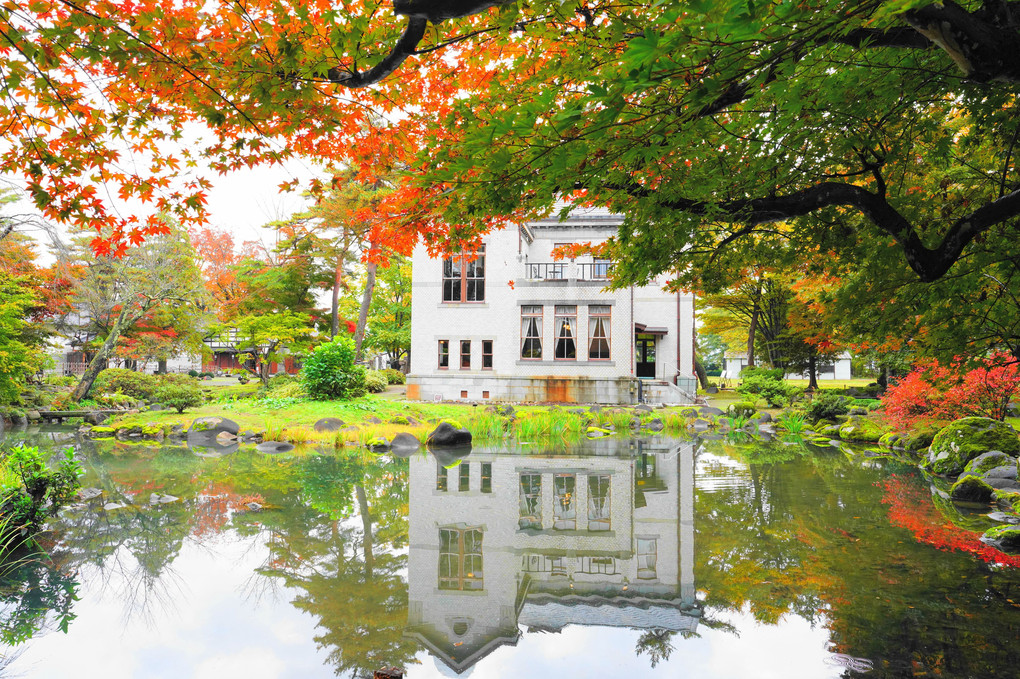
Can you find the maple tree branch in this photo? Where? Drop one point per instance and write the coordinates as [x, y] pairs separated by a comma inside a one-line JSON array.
[[929, 264]]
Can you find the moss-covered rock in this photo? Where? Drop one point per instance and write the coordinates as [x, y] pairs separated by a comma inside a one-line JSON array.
[[971, 489], [890, 439], [1006, 538], [597, 432], [102, 432], [963, 440], [860, 430], [985, 462], [918, 440], [741, 409]]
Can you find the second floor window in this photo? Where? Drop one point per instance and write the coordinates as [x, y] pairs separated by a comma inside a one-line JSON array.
[[531, 332], [566, 323], [464, 278]]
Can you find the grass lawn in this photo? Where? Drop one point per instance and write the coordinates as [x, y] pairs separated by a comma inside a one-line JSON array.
[[836, 384]]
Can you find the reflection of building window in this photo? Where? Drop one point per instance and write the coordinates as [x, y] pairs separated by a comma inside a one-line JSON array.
[[460, 558], [598, 565], [464, 278], [486, 477], [565, 323], [440, 477], [531, 501], [598, 502], [465, 477], [444, 353], [564, 511], [486, 354], [598, 332], [646, 557], [531, 332]]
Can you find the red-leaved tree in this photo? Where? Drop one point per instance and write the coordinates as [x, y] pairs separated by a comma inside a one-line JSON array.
[[934, 392]]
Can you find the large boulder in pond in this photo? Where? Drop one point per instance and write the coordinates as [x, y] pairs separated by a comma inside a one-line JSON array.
[[986, 462], [1005, 538], [971, 489], [447, 436], [963, 440], [404, 445], [860, 430], [211, 427]]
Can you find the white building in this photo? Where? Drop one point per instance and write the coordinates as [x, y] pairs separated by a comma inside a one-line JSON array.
[[500, 540], [838, 369], [513, 324]]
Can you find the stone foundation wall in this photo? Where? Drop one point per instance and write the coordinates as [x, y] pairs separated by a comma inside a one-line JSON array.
[[618, 390]]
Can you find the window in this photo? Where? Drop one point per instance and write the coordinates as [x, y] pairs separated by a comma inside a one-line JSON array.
[[646, 557], [464, 278], [460, 558], [531, 501], [598, 332], [531, 332], [564, 510], [440, 477], [465, 477], [600, 269], [465, 354], [598, 502], [444, 353], [598, 565], [486, 354], [566, 321], [486, 477]]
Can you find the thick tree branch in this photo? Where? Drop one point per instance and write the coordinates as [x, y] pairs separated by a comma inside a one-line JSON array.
[[930, 264]]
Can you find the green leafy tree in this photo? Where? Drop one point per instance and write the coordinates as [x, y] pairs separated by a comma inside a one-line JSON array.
[[264, 339], [389, 319], [18, 358], [329, 371]]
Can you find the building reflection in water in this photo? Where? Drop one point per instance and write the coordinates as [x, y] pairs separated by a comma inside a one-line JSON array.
[[502, 540]]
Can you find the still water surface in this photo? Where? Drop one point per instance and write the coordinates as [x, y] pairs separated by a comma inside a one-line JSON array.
[[614, 558]]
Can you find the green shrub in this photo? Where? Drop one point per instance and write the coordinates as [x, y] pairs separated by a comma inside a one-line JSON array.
[[31, 491], [180, 396], [375, 381], [329, 372], [394, 376], [192, 373], [288, 389], [827, 405], [60, 380], [175, 378], [130, 382], [768, 384]]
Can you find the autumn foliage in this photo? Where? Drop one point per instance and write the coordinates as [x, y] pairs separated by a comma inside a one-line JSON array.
[[936, 392]]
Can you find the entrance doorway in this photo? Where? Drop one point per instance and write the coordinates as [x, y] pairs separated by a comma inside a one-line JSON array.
[[644, 355]]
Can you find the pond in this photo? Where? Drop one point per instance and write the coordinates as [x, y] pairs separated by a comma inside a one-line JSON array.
[[650, 557]]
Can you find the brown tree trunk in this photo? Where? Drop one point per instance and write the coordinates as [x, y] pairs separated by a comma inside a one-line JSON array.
[[338, 277], [752, 328], [812, 373], [100, 360], [366, 301], [699, 370]]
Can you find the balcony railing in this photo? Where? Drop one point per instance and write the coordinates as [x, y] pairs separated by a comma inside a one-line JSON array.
[[559, 271]]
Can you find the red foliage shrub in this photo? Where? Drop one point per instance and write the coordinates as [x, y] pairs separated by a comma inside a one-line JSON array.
[[933, 392]]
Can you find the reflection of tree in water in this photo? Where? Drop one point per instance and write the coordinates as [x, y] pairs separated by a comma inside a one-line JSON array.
[[345, 561], [35, 596], [814, 539], [657, 644]]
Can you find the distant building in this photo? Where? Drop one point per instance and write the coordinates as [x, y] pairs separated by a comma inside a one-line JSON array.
[[513, 324], [837, 369], [500, 540]]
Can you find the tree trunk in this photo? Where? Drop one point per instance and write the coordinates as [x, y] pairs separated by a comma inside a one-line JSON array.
[[264, 371], [338, 277], [812, 372], [99, 361], [883, 377], [366, 301], [752, 327], [699, 370]]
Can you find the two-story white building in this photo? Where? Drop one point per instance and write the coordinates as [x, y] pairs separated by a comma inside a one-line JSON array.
[[497, 541], [511, 323]]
